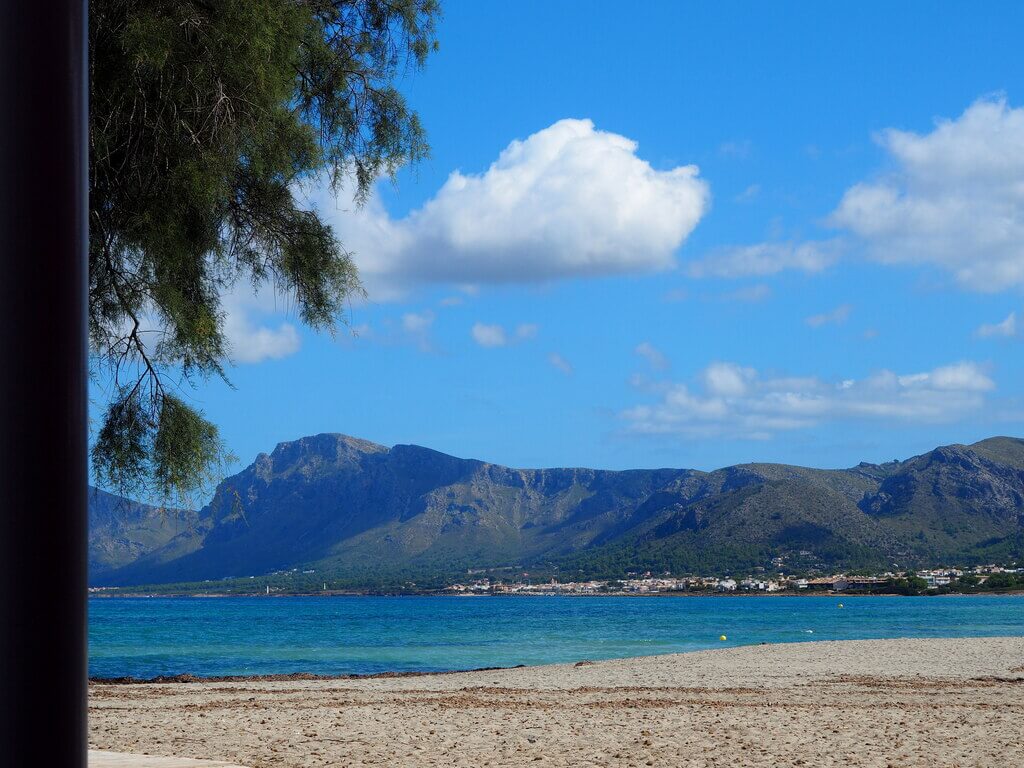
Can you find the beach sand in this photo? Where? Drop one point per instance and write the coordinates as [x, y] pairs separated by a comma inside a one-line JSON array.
[[854, 703]]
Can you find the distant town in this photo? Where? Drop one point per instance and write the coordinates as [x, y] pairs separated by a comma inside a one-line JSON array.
[[506, 581], [942, 579]]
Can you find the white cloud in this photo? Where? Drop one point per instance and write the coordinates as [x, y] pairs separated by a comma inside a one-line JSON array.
[[417, 322], [966, 377], [249, 338], [652, 355], [254, 328], [489, 335], [736, 401], [496, 336], [727, 379], [837, 316], [249, 343], [954, 199], [416, 326], [568, 201], [762, 259], [560, 363], [1005, 328]]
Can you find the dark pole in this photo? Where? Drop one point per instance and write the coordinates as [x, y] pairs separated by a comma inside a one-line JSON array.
[[43, 473]]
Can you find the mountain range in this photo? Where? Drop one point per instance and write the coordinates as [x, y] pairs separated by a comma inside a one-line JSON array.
[[364, 513]]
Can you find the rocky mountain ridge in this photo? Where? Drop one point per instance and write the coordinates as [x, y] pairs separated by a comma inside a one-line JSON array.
[[349, 507]]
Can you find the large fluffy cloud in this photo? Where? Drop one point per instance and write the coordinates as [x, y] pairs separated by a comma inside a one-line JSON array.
[[736, 401], [954, 198], [568, 201]]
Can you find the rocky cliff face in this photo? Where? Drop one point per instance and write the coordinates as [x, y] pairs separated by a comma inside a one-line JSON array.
[[952, 498], [122, 531], [350, 506]]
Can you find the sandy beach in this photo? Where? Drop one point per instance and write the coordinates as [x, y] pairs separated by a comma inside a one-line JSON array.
[[853, 703]]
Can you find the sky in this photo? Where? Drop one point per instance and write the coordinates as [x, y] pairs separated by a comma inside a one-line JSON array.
[[676, 235]]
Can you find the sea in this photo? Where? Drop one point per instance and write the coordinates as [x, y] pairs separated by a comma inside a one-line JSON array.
[[335, 635]]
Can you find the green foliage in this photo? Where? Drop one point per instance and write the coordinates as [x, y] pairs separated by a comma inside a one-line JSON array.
[[916, 583], [691, 553], [1004, 581], [176, 448], [908, 584], [205, 120]]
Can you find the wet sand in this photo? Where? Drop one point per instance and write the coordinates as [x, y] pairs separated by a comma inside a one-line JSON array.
[[853, 703]]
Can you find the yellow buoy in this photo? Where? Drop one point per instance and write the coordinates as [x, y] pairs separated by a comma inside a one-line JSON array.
[[840, 605], [722, 637]]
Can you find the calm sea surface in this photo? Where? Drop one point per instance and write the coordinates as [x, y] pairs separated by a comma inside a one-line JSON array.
[[145, 637]]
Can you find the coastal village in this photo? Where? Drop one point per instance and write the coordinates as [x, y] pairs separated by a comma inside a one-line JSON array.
[[646, 583]]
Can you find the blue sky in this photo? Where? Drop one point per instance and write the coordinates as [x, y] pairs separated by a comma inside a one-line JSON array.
[[728, 232]]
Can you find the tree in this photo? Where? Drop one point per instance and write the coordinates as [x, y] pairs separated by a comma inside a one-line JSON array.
[[205, 118], [1001, 581], [968, 581]]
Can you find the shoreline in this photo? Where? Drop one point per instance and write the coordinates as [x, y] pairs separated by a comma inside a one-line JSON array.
[[815, 593], [188, 678], [916, 703], [289, 676]]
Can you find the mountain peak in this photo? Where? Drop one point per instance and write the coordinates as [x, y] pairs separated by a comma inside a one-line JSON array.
[[327, 442], [1001, 449]]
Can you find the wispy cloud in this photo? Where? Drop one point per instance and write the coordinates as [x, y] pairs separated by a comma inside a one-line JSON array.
[[560, 363], [417, 322], [527, 330], [762, 259], [748, 194], [837, 316], [1005, 328], [488, 335], [652, 355], [496, 336], [416, 326]]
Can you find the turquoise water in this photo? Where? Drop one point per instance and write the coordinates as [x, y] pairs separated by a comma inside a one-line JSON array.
[[146, 637]]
